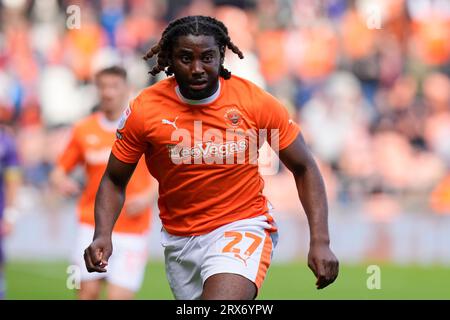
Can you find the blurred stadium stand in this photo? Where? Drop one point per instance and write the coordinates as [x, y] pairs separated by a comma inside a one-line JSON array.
[[373, 104]]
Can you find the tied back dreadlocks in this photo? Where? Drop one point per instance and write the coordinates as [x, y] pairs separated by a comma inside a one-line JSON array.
[[191, 25]]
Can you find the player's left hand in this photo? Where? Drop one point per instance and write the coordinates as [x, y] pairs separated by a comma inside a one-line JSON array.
[[323, 263]]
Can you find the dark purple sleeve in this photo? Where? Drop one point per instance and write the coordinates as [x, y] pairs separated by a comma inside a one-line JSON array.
[[10, 158]]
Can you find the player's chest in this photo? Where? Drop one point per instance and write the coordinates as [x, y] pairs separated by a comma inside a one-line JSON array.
[[199, 124], [96, 147], [212, 135]]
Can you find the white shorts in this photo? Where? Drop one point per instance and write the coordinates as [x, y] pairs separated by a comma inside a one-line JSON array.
[[126, 266], [243, 247]]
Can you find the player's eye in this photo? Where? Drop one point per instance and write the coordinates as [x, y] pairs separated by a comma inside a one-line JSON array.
[[185, 59], [207, 58]]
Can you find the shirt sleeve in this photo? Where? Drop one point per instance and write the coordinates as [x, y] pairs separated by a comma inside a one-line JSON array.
[[11, 159], [273, 116], [72, 154], [130, 141]]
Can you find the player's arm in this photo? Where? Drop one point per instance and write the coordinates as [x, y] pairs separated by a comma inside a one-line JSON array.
[[108, 205], [311, 190], [60, 177]]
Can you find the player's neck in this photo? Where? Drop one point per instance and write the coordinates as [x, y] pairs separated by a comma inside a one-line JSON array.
[[206, 100], [112, 116], [109, 123]]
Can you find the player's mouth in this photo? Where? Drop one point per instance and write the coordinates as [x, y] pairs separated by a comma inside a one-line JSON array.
[[198, 85]]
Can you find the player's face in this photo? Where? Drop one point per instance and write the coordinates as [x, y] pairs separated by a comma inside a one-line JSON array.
[[112, 91], [196, 63]]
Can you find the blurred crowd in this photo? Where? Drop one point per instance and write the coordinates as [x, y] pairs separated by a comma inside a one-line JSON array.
[[367, 80]]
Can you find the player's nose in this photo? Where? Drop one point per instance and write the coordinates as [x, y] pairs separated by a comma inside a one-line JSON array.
[[197, 67]]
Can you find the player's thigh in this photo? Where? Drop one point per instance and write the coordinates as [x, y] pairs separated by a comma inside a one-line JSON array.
[[182, 263], [115, 292], [228, 286], [241, 252], [90, 289]]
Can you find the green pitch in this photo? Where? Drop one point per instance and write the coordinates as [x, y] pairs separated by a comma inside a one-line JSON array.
[[47, 280]]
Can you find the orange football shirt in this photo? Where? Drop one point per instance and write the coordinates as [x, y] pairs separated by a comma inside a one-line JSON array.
[[90, 145], [180, 139]]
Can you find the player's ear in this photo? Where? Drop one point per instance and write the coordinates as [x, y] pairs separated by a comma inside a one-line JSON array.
[[169, 66]]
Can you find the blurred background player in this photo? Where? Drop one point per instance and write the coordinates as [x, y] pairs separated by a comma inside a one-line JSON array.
[[9, 183], [90, 145]]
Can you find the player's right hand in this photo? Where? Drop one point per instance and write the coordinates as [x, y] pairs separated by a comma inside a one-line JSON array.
[[69, 187], [63, 183], [5, 228], [97, 254]]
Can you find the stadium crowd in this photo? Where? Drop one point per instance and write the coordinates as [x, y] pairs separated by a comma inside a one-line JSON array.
[[368, 81]]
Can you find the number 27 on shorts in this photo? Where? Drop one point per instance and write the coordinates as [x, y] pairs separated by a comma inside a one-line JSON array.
[[236, 240]]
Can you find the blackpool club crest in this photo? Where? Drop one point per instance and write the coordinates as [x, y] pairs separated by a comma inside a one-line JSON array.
[[233, 117]]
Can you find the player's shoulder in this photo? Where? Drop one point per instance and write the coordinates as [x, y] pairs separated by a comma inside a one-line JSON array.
[[148, 103], [243, 84], [252, 96], [156, 92], [86, 124]]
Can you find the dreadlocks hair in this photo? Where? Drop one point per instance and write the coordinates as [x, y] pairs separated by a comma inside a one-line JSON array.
[[191, 25]]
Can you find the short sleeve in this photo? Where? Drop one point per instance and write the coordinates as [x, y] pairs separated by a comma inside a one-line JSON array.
[[273, 116], [72, 154], [130, 141], [11, 159]]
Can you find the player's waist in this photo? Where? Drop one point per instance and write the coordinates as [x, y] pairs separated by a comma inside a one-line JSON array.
[[203, 223]]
